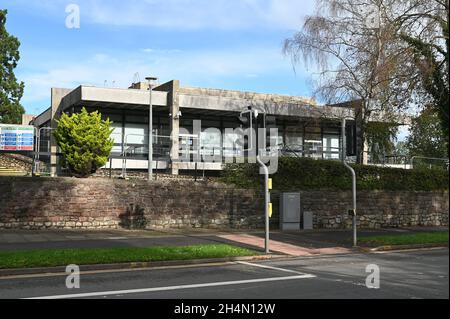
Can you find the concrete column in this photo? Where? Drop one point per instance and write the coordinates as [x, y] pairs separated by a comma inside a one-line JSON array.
[[56, 107], [175, 125], [173, 103]]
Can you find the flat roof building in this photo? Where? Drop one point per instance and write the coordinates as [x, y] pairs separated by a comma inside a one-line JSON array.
[[305, 128]]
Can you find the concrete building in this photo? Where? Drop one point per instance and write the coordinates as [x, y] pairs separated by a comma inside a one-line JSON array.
[[305, 128]]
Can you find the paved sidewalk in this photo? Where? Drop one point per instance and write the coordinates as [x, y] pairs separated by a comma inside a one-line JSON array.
[[299, 243], [284, 248]]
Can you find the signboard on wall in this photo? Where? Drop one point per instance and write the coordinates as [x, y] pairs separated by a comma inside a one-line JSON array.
[[16, 138]]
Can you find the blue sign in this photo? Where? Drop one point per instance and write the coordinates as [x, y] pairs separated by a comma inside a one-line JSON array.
[[16, 138]]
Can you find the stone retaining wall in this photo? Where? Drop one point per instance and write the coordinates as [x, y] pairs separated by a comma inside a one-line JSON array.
[[38, 203], [16, 161], [375, 209]]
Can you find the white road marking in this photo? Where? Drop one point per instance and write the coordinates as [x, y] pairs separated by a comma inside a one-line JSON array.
[[270, 267], [106, 271], [137, 291]]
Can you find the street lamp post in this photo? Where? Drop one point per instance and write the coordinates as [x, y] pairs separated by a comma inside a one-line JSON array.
[[150, 129]]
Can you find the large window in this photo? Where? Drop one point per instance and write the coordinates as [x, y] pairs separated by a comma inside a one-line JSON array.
[[331, 146], [117, 137], [331, 143], [294, 139], [313, 142], [136, 138], [211, 142]]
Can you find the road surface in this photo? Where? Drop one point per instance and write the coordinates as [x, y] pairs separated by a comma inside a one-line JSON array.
[[405, 275]]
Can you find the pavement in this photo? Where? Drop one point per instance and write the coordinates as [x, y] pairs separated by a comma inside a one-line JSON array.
[[403, 275], [297, 243]]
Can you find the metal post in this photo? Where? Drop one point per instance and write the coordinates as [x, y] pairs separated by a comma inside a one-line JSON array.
[[33, 165], [266, 202], [110, 167], [38, 148], [195, 170], [344, 155], [150, 136], [150, 129], [38, 161]]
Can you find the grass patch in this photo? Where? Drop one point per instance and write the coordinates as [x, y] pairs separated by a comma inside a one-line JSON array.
[[92, 256], [410, 239]]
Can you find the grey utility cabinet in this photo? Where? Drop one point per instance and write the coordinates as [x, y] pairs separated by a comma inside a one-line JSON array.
[[290, 213], [308, 221]]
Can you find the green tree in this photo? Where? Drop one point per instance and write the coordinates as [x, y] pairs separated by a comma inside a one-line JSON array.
[[11, 90], [424, 28], [381, 139], [85, 142], [427, 137], [401, 149]]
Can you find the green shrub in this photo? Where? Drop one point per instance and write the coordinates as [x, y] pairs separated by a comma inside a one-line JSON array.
[[85, 142], [309, 174]]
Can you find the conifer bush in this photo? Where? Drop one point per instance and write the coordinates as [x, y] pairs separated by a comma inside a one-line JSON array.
[[85, 142]]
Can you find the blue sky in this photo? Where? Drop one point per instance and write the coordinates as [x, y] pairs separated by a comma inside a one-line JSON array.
[[234, 44]]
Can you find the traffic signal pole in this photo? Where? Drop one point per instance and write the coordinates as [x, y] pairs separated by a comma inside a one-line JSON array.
[[255, 144], [266, 202], [353, 211]]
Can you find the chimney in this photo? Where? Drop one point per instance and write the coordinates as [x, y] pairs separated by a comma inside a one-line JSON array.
[[139, 86]]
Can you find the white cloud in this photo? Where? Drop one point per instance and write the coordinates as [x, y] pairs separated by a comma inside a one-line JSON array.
[[190, 67], [185, 14], [200, 14]]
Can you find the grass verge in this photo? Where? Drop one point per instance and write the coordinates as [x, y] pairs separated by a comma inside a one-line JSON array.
[[94, 256], [410, 239]]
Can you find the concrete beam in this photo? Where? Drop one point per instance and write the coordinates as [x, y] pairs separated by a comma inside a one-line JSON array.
[[121, 96], [272, 106]]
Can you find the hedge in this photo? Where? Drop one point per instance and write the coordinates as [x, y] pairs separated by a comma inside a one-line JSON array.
[[309, 174]]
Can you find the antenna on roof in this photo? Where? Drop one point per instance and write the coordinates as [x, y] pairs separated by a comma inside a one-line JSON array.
[[136, 78]]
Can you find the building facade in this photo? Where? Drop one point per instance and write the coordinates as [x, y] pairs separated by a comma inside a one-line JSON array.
[[305, 128]]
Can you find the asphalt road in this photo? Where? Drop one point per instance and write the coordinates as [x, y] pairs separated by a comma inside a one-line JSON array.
[[405, 275]]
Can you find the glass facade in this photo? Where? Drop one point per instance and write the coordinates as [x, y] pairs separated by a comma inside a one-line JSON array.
[[218, 136]]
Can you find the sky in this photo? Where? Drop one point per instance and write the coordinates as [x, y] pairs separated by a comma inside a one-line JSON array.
[[228, 44]]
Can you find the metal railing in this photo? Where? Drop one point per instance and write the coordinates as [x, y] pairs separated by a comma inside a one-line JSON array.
[[139, 151], [429, 162]]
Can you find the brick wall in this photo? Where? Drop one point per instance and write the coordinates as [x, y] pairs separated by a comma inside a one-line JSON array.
[[102, 203]]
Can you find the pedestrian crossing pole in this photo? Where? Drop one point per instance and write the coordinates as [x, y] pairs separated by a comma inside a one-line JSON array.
[[246, 118], [267, 204], [352, 212]]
